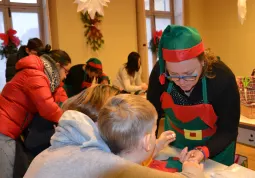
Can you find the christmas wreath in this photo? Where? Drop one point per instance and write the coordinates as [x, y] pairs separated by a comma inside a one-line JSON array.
[[92, 33], [154, 42], [10, 43]]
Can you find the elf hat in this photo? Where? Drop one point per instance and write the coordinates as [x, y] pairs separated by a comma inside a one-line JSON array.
[[177, 44], [95, 63]]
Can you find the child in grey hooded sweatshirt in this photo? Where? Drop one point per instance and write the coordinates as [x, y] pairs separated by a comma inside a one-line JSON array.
[[78, 151]]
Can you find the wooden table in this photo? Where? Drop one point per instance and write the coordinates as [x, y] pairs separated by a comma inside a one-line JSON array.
[[244, 121]]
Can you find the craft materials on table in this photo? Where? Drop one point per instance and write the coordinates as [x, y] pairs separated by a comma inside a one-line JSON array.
[[172, 164]]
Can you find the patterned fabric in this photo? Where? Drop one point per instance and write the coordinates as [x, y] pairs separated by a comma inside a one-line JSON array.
[[51, 72], [7, 156], [181, 99]]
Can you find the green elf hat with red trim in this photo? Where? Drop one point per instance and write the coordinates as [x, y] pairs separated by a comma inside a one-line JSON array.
[[95, 63], [177, 44]]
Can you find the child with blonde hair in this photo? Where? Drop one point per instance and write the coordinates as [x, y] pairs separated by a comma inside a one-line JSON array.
[[78, 151], [127, 123]]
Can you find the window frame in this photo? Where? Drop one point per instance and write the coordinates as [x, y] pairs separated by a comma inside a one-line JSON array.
[[8, 6], [38, 4], [4, 14], [32, 10], [153, 14]]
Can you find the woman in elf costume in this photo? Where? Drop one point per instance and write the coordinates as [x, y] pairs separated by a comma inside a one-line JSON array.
[[198, 95], [81, 76]]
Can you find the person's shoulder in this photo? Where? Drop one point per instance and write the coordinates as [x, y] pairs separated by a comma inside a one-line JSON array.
[[77, 69], [156, 68], [12, 60], [85, 160], [122, 69], [222, 78], [77, 66], [222, 71]]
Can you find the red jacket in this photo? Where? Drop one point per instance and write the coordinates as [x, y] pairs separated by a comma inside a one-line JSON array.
[[26, 94], [60, 95]]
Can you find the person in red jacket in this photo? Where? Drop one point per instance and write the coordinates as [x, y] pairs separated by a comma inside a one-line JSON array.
[[32, 90]]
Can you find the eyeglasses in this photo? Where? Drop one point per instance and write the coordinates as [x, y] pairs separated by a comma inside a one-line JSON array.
[[176, 78], [66, 71]]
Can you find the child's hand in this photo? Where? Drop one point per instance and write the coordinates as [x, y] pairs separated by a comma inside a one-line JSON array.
[[164, 139], [193, 155]]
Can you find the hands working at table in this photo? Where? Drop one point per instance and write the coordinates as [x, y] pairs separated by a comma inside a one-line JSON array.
[[164, 140], [193, 155], [189, 165], [191, 159]]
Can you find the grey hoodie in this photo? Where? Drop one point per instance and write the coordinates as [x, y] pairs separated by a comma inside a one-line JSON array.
[[78, 151]]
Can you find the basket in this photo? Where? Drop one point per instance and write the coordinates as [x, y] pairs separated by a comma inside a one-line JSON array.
[[246, 86]]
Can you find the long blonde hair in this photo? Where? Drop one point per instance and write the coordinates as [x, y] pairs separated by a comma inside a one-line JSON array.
[[90, 100]]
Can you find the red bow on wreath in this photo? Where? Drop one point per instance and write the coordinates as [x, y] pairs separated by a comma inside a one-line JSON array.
[[157, 35], [9, 36]]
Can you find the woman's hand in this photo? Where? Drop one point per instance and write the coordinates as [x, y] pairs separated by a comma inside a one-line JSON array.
[[164, 139], [193, 155], [191, 164], [144, 86]]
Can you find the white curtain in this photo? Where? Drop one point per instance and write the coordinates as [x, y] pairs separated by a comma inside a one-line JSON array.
[[241, 4], [46, 21]]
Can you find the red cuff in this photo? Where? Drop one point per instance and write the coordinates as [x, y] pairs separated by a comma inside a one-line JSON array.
[[205, 150]]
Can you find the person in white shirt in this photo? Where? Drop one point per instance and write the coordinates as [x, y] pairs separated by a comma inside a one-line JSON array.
[[128, 77]]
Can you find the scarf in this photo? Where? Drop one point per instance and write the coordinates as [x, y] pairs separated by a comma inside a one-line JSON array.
[[51, 71]]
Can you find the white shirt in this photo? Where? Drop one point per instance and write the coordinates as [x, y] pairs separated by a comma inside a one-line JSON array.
[[127, 82]]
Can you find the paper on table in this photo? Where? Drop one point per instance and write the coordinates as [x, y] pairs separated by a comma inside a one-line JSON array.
[[234, 171]]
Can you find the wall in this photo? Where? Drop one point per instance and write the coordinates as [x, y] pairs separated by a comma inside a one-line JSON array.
[[118, 27], [193, 13], [217, 21], [233, 41]]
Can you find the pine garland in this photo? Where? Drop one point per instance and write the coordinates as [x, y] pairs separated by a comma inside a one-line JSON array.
[[10, 43], [5, 51], [92, 33], [153, 46], [154, 42]]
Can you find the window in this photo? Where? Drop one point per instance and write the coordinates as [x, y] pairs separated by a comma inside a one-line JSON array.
[[25, 1], [160, 14], [24, 16]]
